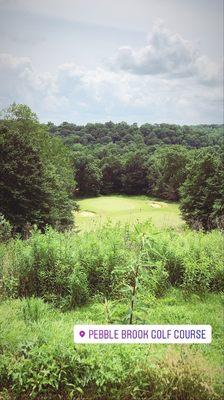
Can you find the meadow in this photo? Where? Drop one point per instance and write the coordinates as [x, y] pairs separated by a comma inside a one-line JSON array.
[[96, 211], [52, 281]]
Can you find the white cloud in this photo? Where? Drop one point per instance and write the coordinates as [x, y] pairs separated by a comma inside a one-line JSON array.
[[18, 79], [81, 95], [169, 55]]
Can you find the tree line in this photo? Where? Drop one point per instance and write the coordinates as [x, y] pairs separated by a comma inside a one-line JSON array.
[[177, 163], [45, 167], [122, 134]]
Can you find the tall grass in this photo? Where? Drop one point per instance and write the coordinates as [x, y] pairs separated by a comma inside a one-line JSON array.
[[106, 268], [68, 269], [39, 361]]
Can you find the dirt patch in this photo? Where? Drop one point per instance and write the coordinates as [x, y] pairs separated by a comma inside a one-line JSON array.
[[86, 214], [156, 204]]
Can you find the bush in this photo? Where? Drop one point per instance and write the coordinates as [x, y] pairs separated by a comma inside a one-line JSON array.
[[5, 229], [68, 268], [33, 309], [79, 289], [158, 279], [47, 373], [181, 376], [197, 276], [64, 268], [193, 260]]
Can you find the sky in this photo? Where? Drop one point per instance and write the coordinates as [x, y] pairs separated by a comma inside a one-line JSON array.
[[138, 61]]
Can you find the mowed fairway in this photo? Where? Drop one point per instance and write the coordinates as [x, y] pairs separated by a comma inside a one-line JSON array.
[[126, 209]]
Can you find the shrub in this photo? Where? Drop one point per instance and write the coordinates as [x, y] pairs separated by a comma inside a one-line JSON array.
[[47, 373], [180, 376], [197, 276], [193, 260], [78, 286], [68, 268], [33, 309], [5, 229], [158, 279]]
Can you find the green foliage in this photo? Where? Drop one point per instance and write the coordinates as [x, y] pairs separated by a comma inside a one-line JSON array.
[[87, 175], [192, 260], [78, 286], [112, 172], [40, 361], [135, 174], [36, 176], [168, 171], [184, 376], [63, 268], [157, 279], [122, 134], [202, 194], [33, 310], [5, 229], [20, 113], [68, 269]]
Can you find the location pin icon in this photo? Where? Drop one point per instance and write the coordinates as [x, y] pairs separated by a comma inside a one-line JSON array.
[[82, 333]]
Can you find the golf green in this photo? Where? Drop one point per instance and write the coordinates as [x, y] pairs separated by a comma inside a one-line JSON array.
[[126, 209]]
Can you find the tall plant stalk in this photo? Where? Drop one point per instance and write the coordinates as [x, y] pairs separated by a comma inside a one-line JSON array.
[[136, 273]]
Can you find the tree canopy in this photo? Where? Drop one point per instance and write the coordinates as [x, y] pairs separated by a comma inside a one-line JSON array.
[[202, 193], [36, 177]]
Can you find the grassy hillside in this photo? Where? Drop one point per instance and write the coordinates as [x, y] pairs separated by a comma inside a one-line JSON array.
[[52, 281], [126, 209], [48, 364]]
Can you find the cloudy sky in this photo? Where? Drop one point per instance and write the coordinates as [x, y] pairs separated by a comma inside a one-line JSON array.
[[122, 60]]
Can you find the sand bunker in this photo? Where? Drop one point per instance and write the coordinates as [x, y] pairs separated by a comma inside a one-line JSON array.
[[156, 204], [86, 214]]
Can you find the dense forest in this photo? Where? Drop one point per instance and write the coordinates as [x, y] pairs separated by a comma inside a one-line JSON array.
[[171, 162], [192, 136]]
